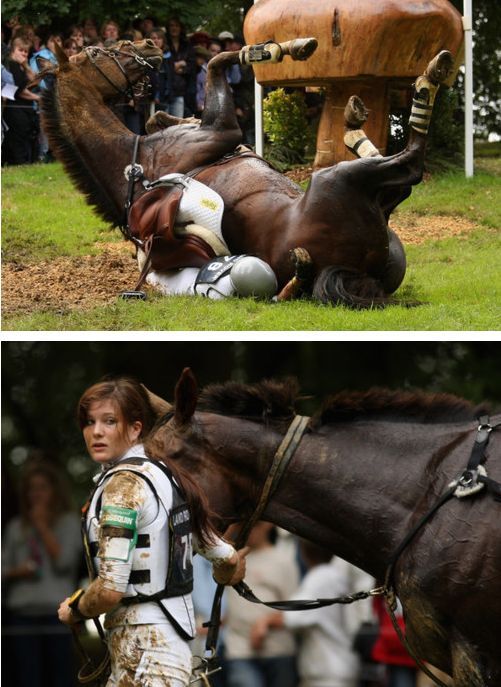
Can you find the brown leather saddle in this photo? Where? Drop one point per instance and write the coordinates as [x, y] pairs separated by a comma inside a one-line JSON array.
[[153, 215]]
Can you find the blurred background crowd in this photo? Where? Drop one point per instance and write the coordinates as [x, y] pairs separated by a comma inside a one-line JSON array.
[[177, 88]]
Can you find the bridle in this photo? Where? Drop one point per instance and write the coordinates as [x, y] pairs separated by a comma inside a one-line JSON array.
[[93, 52]]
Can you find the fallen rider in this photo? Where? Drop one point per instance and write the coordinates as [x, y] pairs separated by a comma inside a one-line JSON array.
[[234, 275], [176, 226]]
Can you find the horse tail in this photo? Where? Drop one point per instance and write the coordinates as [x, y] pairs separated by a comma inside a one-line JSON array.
[[344, 286]]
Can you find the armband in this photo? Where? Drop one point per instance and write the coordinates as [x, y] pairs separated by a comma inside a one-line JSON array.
[[124, 520]]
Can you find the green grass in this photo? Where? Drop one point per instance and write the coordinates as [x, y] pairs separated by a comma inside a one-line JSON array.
[[458, 280], [44, 217], [477, 199]]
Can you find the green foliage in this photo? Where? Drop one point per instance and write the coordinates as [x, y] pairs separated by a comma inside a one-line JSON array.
[[211, 15], [285, 125], [446, 134]]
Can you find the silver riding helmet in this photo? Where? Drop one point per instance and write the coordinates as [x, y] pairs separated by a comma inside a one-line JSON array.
[[252, 276]]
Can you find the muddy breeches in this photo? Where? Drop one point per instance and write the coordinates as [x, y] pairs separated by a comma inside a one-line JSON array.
[[148, 656]]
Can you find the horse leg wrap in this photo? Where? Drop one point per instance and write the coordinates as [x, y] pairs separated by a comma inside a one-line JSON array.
[[422, 104], [358, 143], [261, 52]]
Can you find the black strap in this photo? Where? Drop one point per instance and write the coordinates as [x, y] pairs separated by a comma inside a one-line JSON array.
[[469, 475], [281, 460], [304, 605], [410, 535], [135, 172]]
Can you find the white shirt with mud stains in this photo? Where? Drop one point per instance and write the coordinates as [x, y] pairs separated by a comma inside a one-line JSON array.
[[128, 490]]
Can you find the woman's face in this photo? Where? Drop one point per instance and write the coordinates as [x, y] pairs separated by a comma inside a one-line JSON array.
[[214, 49], [20, 54], [110, 32], [78, 37], [106, 434], [174, 29], [71, 49], [40, 491], [157, 39]]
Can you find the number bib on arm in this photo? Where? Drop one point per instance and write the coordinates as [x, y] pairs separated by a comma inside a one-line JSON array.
[[121, 543]]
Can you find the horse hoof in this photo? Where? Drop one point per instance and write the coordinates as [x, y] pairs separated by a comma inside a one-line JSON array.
[[302, 48], [440, 68], [303, 264], [355, 113]]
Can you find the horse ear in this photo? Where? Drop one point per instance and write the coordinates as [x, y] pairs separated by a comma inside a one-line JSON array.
[[186, 395], [159, 406], [62, 57], [44, 64]]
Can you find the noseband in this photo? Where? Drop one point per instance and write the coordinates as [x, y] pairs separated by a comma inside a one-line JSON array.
[[93, 53]]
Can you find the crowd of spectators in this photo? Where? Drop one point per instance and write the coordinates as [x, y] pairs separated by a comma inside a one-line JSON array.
[[177, 88]]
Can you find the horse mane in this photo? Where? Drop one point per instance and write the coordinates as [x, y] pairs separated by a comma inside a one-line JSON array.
[[269, 399], [272, 399], [73, 162], [396, 405]]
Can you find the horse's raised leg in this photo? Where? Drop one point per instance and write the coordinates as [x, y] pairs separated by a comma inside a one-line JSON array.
[[298, 48], [406, 168], [162, 120]]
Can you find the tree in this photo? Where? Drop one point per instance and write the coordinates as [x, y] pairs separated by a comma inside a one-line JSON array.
[[486, 64], [210, 15]]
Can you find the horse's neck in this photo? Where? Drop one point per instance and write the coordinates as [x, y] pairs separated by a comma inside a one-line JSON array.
[[353, 492], [92, 144]]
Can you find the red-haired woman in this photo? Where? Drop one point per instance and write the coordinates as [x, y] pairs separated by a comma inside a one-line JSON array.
[[140, 525]]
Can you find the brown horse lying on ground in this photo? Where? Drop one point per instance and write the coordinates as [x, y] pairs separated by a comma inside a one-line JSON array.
[[341, 220], [368, 467]]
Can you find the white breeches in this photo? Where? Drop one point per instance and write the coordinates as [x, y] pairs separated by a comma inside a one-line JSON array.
[[148, 656]]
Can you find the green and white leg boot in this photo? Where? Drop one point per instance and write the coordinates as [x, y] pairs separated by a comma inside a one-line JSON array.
[[425, 90], [355, 115], [299, 49]]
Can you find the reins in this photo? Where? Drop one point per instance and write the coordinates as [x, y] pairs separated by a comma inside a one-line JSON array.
[[281, 460]]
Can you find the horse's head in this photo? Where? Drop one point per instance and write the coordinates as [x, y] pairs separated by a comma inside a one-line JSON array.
[[120, 70], [186, 440]]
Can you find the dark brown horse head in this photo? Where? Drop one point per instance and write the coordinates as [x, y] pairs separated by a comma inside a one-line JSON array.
[[111, 71], [206, 433]]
